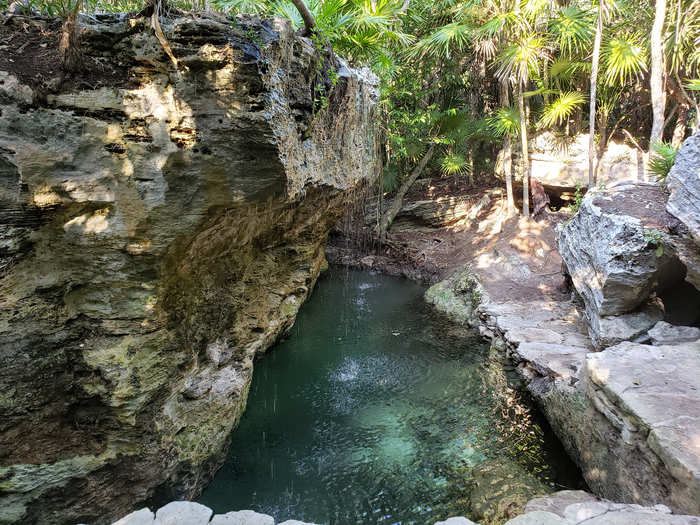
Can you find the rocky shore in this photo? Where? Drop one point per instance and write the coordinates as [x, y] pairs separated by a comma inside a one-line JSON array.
[[616, 381]]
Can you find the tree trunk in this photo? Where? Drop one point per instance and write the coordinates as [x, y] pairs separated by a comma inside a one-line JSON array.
[[396, 204], [507, 156], [658, 93], [306, 15], [602, 143], [594, 86], [524, 154], [69, 46], [681, 124]]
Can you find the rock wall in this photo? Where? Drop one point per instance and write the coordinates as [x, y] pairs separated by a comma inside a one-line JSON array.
[[159, 228], [562, 166]]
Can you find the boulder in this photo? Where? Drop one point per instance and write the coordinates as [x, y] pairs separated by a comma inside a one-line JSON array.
[[578, 507], [613, 329], [664, 333], [183, 513], [459, 520], [644, 417], [562, 167], [618, 252], [159, 228], [139, 517], [683, 182], [459, 211]]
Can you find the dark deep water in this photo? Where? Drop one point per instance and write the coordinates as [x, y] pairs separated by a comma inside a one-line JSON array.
[[374, 410]]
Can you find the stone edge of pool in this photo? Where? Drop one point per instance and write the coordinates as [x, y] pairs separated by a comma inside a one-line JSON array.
[[567, 507], [627, 415]]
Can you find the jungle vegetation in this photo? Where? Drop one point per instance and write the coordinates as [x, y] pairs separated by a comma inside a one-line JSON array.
[[462, 79]]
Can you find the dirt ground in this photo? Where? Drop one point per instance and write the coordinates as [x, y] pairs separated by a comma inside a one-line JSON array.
[[516, 258], [29, 50]]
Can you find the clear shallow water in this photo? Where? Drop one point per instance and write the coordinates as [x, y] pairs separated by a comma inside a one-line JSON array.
[[376, 411]]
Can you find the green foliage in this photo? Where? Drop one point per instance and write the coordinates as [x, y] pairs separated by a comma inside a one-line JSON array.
[[624, 58], [662, 159], [505, 121], [573, 27], [578, 199], [693, 84], [454, 164], [561, 108], [655, 238], [390, 179]]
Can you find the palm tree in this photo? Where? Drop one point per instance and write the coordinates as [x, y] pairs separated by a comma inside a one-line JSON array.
[[506, 123], [516, 63], [658, 92], [594, 85]]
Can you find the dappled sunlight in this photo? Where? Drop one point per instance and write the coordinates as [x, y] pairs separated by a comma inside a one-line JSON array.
[[95, 222], [598, 374], [46, 196]]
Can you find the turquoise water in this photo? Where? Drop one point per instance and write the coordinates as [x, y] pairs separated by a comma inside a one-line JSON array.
[[374, 410]]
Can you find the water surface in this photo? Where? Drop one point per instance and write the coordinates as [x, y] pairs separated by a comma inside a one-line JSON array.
[[374, 410]]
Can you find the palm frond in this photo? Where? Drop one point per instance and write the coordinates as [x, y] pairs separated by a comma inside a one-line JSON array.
[[453, 36], [505, 121], [454, 164], [518, 59], [561, 108], [662, 160], [624, 58], [573, 26]]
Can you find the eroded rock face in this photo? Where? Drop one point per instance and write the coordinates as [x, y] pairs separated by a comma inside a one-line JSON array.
[[646, 438], [684, 184], [155, 236], [619, 254]]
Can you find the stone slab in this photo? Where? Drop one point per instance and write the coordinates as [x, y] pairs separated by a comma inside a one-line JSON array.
[[242, 517], [183, 513]]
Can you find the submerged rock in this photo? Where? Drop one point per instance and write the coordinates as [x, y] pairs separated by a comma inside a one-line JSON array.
[[156, 235]]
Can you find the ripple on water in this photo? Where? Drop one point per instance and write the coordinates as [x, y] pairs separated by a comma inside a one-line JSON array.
[[374, 411]]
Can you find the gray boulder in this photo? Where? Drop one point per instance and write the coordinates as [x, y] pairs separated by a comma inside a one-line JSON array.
[[459, 520], [643, 427], [613, 329], [617, 251], [664, 333], [578, 508], [139, 517], [609, 252], [561, 168], [684, 183], [183, 513]]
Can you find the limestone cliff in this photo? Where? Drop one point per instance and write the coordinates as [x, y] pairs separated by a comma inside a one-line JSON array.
[[159, 227]]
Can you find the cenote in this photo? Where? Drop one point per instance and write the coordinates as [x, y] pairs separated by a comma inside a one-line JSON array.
[[374, 410]]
